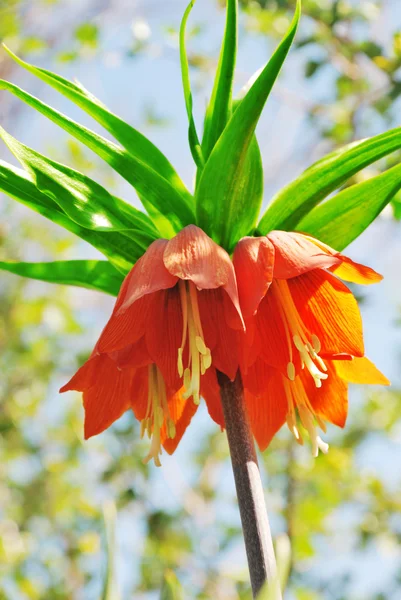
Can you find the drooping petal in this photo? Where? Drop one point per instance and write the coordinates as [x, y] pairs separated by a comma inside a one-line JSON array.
[[275, 341], [126, 327], [329, 310], [295, 254], [108, 398], [147, 276], [253, 263], [267, 413], [257, 377], [192, 255], [347, 269], [135, 355], [164, 334], [222, 339], [87, 375], [330, 402], [360, 370], [139, 395], [181, 412], [210, 391]]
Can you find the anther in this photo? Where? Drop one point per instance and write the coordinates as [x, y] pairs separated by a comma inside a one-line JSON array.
[[291, 371]]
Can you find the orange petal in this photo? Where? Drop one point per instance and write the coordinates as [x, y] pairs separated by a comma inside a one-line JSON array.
[[223, 340], [210, 391], [295, 254], [108, 398], [253, 262], [126, 327], [181, 412], [267, 414], [147, 276], [164, 334], [360, 370], [330, 402], [87, 375], [347, 269], [329, 310], [194, 256], [135, 355], [274, 344], [139, 396], [355, 272], [257, 377]]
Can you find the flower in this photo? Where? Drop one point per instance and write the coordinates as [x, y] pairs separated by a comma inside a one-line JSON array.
[[176, 320], [304, 339]]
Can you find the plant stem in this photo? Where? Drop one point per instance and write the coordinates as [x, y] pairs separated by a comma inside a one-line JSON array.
[[255, 523]]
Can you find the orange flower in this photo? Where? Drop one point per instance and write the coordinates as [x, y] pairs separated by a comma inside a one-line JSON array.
[[304, 333], [176, 320]]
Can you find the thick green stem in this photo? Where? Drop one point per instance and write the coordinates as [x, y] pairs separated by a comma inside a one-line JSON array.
[[251, 502]]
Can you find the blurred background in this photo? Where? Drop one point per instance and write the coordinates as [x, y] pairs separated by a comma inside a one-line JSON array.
[[341, 512]]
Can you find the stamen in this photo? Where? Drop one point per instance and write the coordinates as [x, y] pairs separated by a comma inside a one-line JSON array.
[[199, 355], [296, 396], [296, 334], [157, 412]]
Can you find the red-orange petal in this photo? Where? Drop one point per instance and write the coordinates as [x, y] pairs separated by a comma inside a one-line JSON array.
[[267, 413], [256, 378], [329, 310], [347, 269], [210, 391], [360, 370], [295, 254], [148, 275], [223, 340], [253, 263], [164, 335], [274, 344], [330, 402], [192, 255], [108, 398], [86, 375], [181, 412]]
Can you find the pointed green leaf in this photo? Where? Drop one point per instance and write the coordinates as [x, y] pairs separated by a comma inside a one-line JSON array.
[[295, 200], [219, 109], [137, 144], [341, 219], [82, 199], [224, 208], [193, 139], [92, 274], [122, 251], [155, 192]]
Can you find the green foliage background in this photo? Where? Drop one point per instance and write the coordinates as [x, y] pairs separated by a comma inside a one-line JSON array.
[[56, 493]]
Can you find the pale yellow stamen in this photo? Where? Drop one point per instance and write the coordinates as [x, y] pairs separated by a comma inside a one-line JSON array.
[[199, 356], [308, 346], [296, 396], [157, 413]]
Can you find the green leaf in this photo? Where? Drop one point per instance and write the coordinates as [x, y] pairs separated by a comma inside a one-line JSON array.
[[194, 143], [295, 200], [341, 219], [137, 144], [92, 274], [171, 587], [119, 249], [219, 109], [155, 192], [82, 199], [225, 209]]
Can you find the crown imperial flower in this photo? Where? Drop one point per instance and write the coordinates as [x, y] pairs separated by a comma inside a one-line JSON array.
[[177, 318], [303, 326]]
